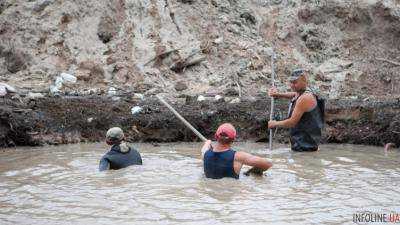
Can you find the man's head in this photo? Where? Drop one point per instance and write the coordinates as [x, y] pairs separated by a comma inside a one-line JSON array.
[[298, 81], [225, 134], [114, 136]]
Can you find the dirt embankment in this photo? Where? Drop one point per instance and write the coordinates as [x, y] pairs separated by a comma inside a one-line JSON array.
[[76, 119], [351, 48]]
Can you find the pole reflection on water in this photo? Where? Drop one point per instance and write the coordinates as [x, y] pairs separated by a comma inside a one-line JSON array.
[[61, 184]]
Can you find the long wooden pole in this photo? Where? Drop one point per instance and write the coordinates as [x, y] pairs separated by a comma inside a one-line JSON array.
[[271, 113], [181, 118]]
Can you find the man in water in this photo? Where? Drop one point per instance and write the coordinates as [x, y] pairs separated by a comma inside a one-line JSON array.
[[120, 154], [306, 114], [221, 161]]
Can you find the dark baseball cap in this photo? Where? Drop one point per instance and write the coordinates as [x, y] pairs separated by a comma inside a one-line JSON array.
[[296, 74]]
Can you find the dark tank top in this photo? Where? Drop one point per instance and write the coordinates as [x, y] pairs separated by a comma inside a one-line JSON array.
[[306, 135], [218, 165]]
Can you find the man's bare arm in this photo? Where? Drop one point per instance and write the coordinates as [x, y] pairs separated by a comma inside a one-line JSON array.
[[288, 95], [252, 160], [303, 104], [273, 92]]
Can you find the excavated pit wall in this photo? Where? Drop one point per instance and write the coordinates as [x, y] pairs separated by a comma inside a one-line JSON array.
[[63, 120]]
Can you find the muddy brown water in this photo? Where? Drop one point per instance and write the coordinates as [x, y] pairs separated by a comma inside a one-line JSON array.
[[61, 185]]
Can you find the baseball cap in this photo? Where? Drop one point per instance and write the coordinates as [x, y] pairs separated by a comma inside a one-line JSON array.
[[227, 130], [115, 134], [296, 74]]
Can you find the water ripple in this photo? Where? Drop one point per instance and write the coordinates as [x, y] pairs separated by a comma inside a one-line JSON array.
[[61, 185]]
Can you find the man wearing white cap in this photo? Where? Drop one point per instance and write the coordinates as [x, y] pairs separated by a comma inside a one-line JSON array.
[[120, 154]]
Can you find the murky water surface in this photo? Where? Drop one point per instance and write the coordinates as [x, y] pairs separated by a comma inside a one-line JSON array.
[[61, 185]]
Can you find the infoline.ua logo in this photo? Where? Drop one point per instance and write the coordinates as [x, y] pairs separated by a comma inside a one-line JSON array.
[[372, 217]]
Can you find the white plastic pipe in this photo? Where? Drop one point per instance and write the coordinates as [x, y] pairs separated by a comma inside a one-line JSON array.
[[181, 118], [271, 113]]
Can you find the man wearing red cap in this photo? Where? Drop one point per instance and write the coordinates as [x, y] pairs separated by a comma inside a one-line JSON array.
[[221, 161]]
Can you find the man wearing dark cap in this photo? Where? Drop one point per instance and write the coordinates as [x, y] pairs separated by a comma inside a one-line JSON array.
[[221, 161], [306, 114], [120, 154]]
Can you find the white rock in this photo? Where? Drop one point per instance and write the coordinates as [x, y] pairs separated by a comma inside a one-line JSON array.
[[353, 97], [90, 119], [59, 82], [235, 100], [136, 109], [217, 97], [5, 88], [116, 98], [112, 91], [9, 89], [54, 89], [219, 40], [201, 98], [68, 78], [34, 95], [3, 91], [91, 91], [138, 96]]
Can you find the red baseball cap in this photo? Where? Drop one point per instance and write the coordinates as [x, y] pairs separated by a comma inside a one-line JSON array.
[[227, 130]]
